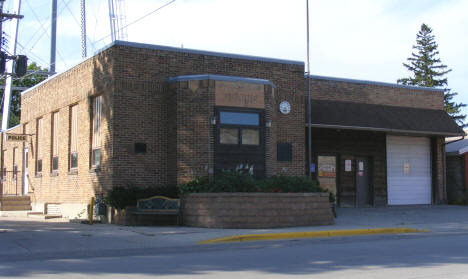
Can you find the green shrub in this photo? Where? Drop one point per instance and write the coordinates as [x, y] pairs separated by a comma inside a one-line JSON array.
[[122, 196], [289, 184], [228, 181], [232, 181]]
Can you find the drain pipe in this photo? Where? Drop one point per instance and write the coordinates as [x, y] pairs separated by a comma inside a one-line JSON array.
[[444, 179]]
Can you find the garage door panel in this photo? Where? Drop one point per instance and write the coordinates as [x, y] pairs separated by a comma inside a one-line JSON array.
[[413, 184]]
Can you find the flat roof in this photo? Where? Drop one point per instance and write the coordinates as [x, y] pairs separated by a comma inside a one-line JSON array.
[[457, 147], [221, 77], [202, 52], [174, 49], [388, 84]]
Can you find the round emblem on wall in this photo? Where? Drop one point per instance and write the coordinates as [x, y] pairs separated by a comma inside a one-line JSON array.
[[285, 107]]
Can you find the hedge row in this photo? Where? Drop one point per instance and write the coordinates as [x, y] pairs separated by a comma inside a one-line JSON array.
[[230, 181]]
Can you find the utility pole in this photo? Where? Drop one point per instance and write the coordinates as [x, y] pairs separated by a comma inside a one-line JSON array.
[[83, 29], [53, 36], [1, 21], [15, 17], [309, 105]]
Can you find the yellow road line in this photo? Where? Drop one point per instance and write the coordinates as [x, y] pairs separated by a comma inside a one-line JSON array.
[[314, 234]]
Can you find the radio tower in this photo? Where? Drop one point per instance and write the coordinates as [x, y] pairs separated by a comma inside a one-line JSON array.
[[117, 20], [83, 28]]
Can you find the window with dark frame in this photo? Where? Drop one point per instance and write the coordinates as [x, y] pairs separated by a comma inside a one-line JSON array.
[[15, 167], [3, 165], [96, 133], [25, 131], [239, 128], [73, 137], [38, 145], [55, 142]]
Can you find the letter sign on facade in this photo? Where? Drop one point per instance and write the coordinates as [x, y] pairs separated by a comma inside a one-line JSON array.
[[16, 137]]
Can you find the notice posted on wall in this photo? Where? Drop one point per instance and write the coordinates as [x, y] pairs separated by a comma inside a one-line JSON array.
[[326, 166], [347, 165], [406, 168]]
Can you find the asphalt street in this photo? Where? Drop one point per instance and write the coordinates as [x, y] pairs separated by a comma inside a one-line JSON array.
[[59, 249], [396, 256]]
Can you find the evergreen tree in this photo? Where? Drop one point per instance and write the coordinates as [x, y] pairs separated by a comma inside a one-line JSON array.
[[428, 71], [29, 80]]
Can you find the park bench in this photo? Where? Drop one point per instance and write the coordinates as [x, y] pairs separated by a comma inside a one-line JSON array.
[[158, 205]]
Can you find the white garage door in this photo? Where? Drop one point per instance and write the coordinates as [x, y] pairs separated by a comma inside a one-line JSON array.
[[408, 170]]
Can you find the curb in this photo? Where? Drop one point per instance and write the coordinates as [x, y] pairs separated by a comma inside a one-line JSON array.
[[313, 234]]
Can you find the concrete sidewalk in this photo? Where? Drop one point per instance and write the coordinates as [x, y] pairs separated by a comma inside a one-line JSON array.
[[20, 236]]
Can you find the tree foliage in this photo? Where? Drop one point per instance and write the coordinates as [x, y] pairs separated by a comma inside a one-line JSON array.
[[427, 70], [29, 80]]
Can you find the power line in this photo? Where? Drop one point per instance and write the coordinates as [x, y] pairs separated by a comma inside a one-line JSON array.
[[78, 23], [139, 19], [37, 18], [26, 51], [48, 25]]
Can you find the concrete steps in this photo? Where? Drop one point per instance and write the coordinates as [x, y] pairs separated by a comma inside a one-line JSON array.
[[15, 203]]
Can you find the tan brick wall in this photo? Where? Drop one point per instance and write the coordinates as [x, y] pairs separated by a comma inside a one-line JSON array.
[[12, 185], [256, 210], [143, 106], [194, 137], [192, 106], [346, 91], [77, 86], [138, 107], [133, 82]]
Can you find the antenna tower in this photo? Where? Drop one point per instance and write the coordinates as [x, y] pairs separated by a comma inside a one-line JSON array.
[[117, 20], [83, 28]]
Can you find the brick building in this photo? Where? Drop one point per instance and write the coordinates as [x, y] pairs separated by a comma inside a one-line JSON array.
[[151, 115]]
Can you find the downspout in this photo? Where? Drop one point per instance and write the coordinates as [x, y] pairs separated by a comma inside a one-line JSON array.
[[309, 113], [2, 162], [444, 162]]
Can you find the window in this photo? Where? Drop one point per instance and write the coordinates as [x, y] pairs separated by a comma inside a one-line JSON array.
[[38, 145], [55, 140], [15, 167], [250, 137], [74, 137], [26, 157], [229, 136], [239, 118], [239, 128], [96, 132], [3, 165]]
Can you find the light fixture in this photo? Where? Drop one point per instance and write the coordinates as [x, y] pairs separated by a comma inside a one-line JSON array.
[[268, 124], [213, 120]]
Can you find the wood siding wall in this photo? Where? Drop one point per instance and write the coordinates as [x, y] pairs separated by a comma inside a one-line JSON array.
[[455, 179], [346, 144]]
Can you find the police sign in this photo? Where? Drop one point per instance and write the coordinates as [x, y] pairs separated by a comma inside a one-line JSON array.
[[16, 137]]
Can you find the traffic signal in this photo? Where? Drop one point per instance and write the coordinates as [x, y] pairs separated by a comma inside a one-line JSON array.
[[21, 65], [2, 62]]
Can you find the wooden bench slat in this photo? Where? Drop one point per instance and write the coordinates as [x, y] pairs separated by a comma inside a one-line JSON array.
[[158, 205]]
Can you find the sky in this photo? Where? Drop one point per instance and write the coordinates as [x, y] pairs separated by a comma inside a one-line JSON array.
[[357, 39]]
